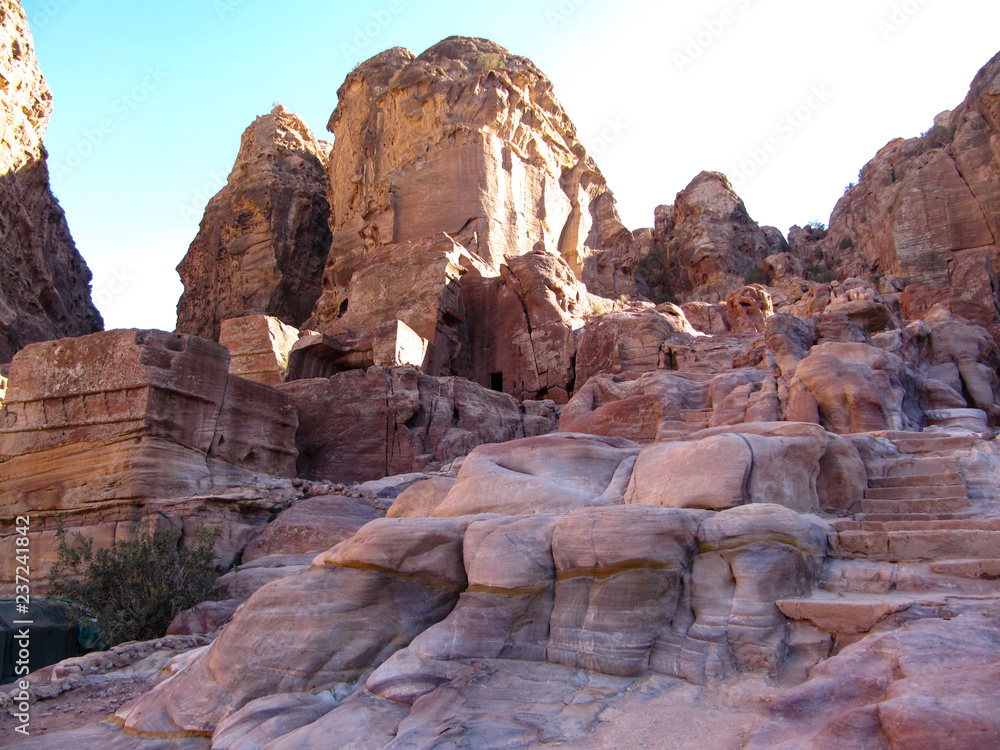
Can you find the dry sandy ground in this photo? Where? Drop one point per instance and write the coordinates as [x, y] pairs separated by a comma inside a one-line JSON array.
[[76, 708]]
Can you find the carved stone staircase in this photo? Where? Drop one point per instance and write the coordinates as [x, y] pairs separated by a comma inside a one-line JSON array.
[[918, 547]]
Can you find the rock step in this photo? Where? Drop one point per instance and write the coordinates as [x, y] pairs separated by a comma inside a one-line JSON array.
[[988, 570], [860, 517], [851, 614], [918, 442], [697, 415], [847, 613], [920, 524], [943, 479], [914, 506], [962, 577], [910, 465], [931, 545], [925, 492]]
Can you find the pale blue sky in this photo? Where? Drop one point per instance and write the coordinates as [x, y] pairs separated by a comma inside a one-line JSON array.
[[151, 99]]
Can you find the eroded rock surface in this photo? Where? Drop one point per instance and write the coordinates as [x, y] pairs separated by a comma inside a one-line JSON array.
[[705, 245], [264, 239], [45, 285], [925, 213], [368, 424], [104, 429]]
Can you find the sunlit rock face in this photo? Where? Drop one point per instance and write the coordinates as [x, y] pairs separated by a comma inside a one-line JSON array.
[[467, 140], [784, 506], [45, 285], [925, 214], [100, 431]]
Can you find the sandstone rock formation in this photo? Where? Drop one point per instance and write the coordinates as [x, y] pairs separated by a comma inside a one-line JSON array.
[[925, 214], [785, 505], [490, 273], [45, 286], [464, 114], [105, 429], [259, 347], [264, 239], [904, 688], [705, 245], [359, 425]]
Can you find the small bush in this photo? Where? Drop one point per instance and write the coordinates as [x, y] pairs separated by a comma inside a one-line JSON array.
[[820, 274], [600, 306], [133, 589], [938, 136], [756, 276]]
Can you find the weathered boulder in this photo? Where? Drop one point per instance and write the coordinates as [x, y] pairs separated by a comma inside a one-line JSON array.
[[547, 474], [359, 425], [965, 357], [506, 610], [630, 341], [619, 573], [360, 603], [728, 620], [421, 499], [259, 346], [45, 286], [776, 463], [859, 388], [269, 718], [311, 525], [706, 317], [639, 407], [929, 683], [748, 308], [105, 429], [789, 339], [264, 239], [498, 704]]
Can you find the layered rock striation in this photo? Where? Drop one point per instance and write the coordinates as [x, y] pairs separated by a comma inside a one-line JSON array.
[[924, 216], [264, 239], [101, 431], [45, 286], [466, 140]]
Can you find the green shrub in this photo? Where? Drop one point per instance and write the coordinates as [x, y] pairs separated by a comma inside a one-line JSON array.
[[938, 136], [133, 589], [756, 276]]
